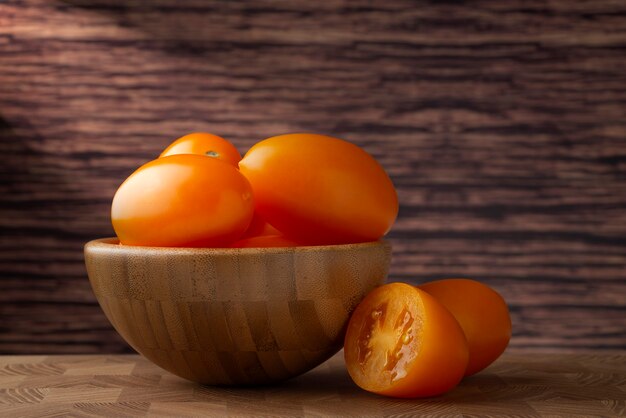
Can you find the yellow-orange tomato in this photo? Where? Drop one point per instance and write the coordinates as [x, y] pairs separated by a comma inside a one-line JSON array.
[[481, 312], [259, 226], [265, 241], [401, 342], [317, 190], [183, 201], [206, 144]]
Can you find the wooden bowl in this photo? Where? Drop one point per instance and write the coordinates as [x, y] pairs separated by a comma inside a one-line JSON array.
[[234, 316]]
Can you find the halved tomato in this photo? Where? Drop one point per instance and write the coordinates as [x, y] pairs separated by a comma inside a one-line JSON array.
[[401, 342]]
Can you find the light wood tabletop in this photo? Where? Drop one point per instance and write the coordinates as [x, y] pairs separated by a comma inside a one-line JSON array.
[[535, 384]]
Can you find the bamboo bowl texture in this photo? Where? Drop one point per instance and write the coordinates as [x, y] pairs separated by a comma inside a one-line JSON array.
[[234, 316]]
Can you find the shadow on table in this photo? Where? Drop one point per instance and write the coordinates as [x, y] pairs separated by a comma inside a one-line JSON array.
[[331, 391]]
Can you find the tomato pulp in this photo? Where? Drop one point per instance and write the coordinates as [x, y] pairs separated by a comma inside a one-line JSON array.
[[401, 342]]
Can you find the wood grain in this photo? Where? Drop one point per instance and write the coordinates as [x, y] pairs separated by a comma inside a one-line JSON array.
[[234, 316], [502, 124], [534, 385]]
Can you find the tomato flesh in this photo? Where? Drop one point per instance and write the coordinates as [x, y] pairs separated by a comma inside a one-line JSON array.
[[401, 342], [387, 350]]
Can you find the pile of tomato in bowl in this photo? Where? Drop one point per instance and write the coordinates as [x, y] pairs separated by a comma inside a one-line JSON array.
[[302, 190], [291, 190]]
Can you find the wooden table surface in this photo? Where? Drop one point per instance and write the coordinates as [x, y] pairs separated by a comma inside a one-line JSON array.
[[128, 385]]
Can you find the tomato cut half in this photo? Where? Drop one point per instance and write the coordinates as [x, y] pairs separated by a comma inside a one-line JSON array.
[[401, 342]]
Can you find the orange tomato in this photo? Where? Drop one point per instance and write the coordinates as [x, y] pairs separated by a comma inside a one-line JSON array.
[[206, 144], [259, 226], [401, 342], [316, 189], [183, 201], [481, 312], [265, 241]]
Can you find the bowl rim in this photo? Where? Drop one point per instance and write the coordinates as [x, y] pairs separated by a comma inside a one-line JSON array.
[[113, 244]]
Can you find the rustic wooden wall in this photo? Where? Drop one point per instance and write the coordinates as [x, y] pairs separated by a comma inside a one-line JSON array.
[[502, 123]]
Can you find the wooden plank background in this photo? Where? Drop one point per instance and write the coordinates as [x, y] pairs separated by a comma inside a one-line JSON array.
[[502, 124]]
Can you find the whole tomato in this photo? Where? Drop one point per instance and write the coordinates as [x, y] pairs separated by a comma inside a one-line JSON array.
[[183, 201], [402, 342], [319, 190], [481, 312], [202, 143]]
